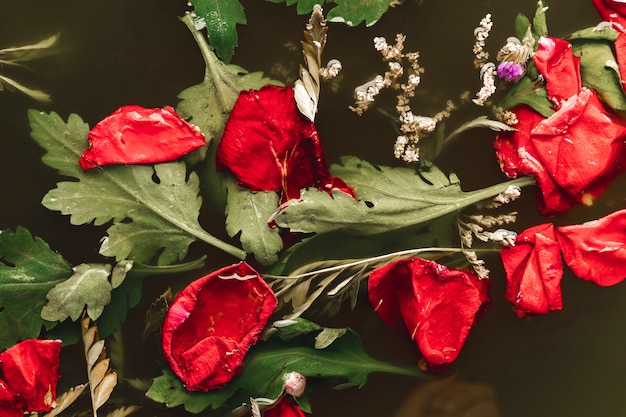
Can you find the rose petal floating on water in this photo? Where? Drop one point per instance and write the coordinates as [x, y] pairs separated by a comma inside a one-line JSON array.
[[596, 251], [436, 304], [269, 146], [285, 407], [212, 323], [560, 68], [138, 135], [30, 371], [534, 270]]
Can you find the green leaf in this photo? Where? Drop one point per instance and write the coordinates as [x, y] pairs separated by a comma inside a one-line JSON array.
[[353, 12], [521, 26], [154, 209], [123, 298], [268, 362], [350, 12], [208, 104], [248, 213], [599, 71], [530, 92], [169, 390], [28, 270], [387, 199], [540, 24], [89, 287], [220, 18]]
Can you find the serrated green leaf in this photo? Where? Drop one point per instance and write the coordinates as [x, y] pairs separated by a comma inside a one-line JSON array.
[[387, 199], [123, 298], [247, 214], [169, 390], [353, 12], [89, 286], [154, 209], [220, 17], [303, 7], [28, 270], [208, 104], [63, 141], [268, 362], [599, 71]]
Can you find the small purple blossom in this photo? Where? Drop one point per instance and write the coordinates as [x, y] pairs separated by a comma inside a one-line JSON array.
[[511, 71]]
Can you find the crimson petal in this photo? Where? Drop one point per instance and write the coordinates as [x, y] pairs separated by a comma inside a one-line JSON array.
[[285, 407], [269, 146], [213, 322], [611, 11], [560, 68], [436, 304], [581, 145], [595, 251], [138, 135], [534, 270], [517, 156], [30, 369]]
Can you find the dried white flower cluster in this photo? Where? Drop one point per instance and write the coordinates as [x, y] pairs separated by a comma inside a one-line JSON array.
[[481, 33], [488, 70]]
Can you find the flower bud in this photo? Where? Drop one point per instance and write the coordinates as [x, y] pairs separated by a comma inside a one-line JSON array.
[[295, 384]]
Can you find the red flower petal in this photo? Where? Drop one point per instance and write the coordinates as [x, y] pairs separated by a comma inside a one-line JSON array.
[[137, 135], [534, 270], [10, 403], [611, 11], [268, 145], [517, 156], [596, 251], [285, 407], [560, 68], [581, 145], [30, 369], [213, 322], [436, 304]]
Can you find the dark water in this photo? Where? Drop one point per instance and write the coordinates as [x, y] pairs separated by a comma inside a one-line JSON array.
[[119, 52]]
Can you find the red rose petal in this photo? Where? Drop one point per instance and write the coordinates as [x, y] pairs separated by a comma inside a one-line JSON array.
[[581, 144], [611, 11], [285, 407], [213, 322], [596, 251], [31, 370], [138, 135], [560, 68], [269, 146], [10, 402], [437, 305], [534, 270], [517, 156]]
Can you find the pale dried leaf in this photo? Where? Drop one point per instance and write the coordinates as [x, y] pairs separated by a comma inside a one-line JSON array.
[[327, 336], [103, 391], [123, 411], [99, 371], [298, 294], [66, 399], [93, 353]]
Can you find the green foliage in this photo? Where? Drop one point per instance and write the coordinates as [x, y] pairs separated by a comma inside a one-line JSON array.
[[28, 270], [248, 213], [268, 362], [89, 286], [220, 17], [530, 92], [208, 104], [598, 66], [154, 209], [123, 298], [387, 199], [349, 12]]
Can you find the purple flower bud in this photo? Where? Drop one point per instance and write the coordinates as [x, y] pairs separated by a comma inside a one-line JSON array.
[[511, 71]]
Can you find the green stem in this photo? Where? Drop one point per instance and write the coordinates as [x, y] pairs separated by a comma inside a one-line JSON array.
[[210, 59]]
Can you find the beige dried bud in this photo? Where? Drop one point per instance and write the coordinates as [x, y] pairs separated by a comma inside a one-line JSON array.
[[295, 384]]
